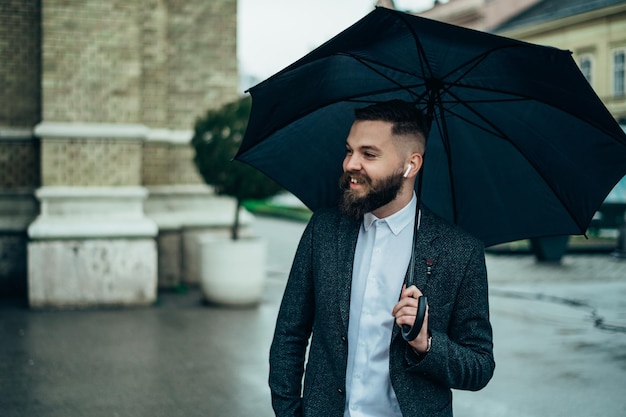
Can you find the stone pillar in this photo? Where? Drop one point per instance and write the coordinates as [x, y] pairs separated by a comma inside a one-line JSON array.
[[20, 111], [91, 244]]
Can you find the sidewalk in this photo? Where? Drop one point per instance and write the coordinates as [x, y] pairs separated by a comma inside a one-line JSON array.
[[559, 336], [559, 339]]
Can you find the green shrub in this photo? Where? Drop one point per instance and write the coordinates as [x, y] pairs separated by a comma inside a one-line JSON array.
[[216, 139]]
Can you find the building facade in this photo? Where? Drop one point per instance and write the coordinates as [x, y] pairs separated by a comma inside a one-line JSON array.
[[98, 191], [477, 14], [595, 32]]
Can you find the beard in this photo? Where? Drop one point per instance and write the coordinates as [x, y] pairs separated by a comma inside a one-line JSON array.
[[378, 193]]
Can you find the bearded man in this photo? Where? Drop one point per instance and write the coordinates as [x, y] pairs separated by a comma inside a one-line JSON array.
[[348, 294]]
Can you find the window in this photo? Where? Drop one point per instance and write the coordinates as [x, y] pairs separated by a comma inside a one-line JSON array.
[[585, 62], [619, 72]]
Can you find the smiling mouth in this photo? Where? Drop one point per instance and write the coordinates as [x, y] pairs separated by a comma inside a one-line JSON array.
[[353, 181]]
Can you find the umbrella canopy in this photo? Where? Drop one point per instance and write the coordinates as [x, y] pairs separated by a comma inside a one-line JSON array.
[[520, 145]]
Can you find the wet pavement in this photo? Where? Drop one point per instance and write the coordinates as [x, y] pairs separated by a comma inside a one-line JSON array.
[[560, 346]]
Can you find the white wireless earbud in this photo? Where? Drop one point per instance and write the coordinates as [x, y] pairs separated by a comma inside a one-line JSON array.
[[408, 169]]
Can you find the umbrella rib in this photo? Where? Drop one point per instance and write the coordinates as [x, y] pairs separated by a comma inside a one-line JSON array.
[[447, 85], [521, 97], [508, 139], [470, 64], [418, 45], [496, 133], [367, 63], [459, 84], [473, 63], [476, 60]]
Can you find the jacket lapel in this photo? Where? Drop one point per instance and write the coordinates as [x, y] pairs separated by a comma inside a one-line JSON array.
[[425, 252], [347, 235]]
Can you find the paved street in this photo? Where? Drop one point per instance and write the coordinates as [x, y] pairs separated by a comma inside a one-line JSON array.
[[560, 345]]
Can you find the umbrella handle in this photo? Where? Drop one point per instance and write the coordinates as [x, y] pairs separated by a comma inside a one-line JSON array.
[[410, 333]]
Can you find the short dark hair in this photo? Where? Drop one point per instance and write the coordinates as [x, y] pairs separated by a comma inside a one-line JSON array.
[[405, 117]]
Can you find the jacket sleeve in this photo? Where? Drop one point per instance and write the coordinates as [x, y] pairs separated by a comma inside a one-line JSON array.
[[293, 329], [461, 357]]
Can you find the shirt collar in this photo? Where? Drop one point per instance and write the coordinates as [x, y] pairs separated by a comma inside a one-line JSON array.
[[397, 221]]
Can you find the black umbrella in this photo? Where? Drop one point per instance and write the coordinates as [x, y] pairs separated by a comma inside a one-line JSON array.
[[520, 145]]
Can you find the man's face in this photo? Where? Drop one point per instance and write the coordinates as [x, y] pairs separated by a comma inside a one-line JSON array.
[[372, 168]]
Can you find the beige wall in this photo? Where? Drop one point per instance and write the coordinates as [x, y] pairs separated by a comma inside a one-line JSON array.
[[158, 62], [90, 63], [20, 66], [597, 34], [203, 69], [167, 163]]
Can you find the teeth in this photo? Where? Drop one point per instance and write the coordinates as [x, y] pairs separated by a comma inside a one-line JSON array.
[[353, 181]]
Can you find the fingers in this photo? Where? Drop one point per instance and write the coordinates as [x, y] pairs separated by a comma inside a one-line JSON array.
[[412, 291], [405, 310], [407, 305], [406, 315], [419, 343], [408, 298]]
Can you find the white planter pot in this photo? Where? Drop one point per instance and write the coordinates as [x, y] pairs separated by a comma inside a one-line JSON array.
[[232, 272]]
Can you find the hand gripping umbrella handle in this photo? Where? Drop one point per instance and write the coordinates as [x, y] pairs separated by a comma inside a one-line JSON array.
[[410, 333]]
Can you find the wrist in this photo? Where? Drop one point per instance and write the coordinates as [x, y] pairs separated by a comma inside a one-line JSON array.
[[429, 342]]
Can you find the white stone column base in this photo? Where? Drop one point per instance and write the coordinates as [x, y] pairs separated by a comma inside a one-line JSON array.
[[91, 273], [92, 247], [91, 212]]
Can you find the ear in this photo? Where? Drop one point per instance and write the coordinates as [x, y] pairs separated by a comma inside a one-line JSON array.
[[416, 160]]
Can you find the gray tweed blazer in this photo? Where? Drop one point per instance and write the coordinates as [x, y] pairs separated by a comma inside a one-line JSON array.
[[316, 304]]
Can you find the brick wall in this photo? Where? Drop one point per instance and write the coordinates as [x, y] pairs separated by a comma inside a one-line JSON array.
[[169, 164], [154, 72], [91, 162], [189, 64], [189, 59], [90, 63], [161, 63], [19, 164], [155, 163], [20, 65], [203, 64]]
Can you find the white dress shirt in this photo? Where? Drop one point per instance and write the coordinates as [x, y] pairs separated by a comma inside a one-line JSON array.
[[381, 259]]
